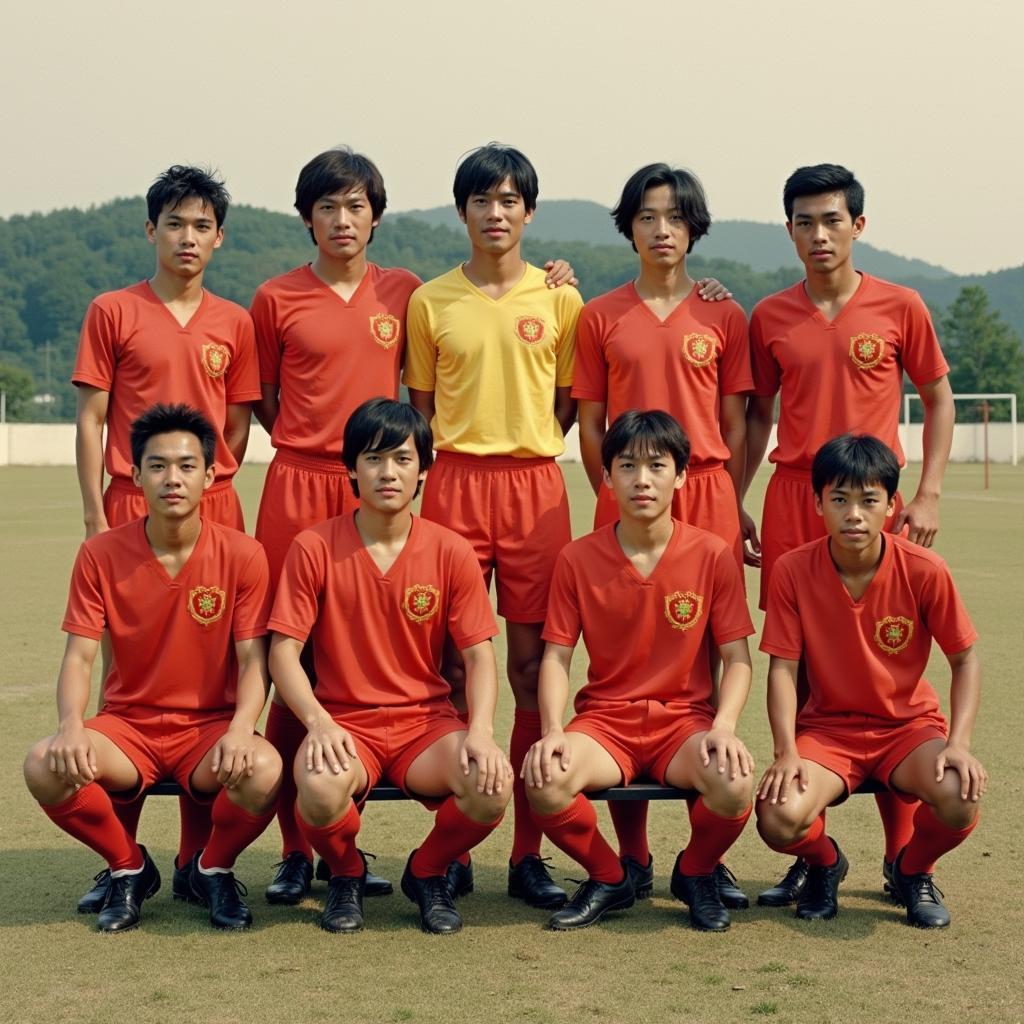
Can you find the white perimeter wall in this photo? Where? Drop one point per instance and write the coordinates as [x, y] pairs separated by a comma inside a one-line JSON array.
[[53, 444]]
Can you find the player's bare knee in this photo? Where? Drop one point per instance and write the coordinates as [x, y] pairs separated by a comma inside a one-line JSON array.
[[729, 797], [780, 824], [523, 677], [553, 796], [322, 794], [949, 807], [483, 806], [44, 785]]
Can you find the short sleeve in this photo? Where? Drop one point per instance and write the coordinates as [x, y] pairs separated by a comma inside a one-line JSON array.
[[243, 377], [420, 348], [96, 359], [764, 368], [252, 598], [944, 613], [730, 619], [570, 305], [783, 630], [590, 376], [734, 372], [563, 624], [297, 600], [268, 344], [920, 352], [470, 619], [86, 613]]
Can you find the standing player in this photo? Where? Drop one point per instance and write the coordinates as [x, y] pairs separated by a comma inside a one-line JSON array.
[[653, 344], [836, 346], [165, 339], [859, 609], [646, 708], [379, 590], [196, 592]]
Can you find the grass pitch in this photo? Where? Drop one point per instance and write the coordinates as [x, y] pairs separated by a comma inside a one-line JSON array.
[[641, 966]]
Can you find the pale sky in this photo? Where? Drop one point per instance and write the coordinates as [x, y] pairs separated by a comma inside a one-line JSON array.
[[921, 99]]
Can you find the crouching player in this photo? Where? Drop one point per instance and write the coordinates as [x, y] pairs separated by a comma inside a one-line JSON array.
[[650, 594], [379, 590], [185, 601], [861, 607]]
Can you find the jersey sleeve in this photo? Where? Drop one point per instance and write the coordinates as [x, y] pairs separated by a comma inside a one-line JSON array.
[[252, 598], [96, 359], [268, 344], [570, 305], [86, 613], [783, 633], [920, 352], [563, 624], [470, 619], [944, 613], [297, 600], [734, 372], [243, 376], [730, 619], [764, 369], [590, 377], [420, 348]]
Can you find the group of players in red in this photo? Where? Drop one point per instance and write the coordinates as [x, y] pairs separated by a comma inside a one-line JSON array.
[[379, 621]]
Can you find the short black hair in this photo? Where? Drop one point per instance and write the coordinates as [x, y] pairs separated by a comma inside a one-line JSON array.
[[857, 460], [169, 419], [819, 180], [381, 424], [689, 195], [646, 432], [484, 168], [179, 183], [339, 170]]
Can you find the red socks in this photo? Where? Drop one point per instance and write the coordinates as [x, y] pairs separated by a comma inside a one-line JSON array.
[[286, 733], [710, 836], [454, 833], [196, 824], [234, 828], [129, 814], [816, 848], [336, 842], [931, 839], [574, 831], [525, 835], [897, 822], [630, 821], [88, 815]]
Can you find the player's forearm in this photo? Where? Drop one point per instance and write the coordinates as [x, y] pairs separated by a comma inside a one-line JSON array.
[[592, 431], [565, 409], [73, 686], [734, 434], [552, 692], [267, 407], [782, 708], [481, 686], [89, 465], [236, 430], [759, 417], [291, 681], [253, 684], [964, 697], [734, 689], [423, 402], [937, 438]]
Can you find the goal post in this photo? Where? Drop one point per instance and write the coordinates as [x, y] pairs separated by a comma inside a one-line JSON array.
[[981, 397]]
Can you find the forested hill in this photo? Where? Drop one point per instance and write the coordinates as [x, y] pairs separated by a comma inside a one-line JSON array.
[[51, 266]]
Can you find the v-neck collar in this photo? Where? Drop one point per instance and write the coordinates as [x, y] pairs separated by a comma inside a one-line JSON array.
[[482, 294], [348, 303], [199, 311], [157, 566], [651, 315], [854, 300], [645, 581], [880, 573], [364, 554]]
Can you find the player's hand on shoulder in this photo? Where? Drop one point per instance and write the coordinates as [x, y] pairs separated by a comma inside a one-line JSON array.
[[973, 777], [921, 520], [234, 755], [751, 541], [492, 766], [328, 745], [559, 272], [538, 765], [781, 773], [71, 755], [730, 751], [710, 289]]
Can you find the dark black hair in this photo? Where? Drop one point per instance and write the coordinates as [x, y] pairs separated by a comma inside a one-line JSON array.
[[339, 170], [381, 424], [646, 432], [855, 460], [168, 419], [490, 165], [819, 180], [179, 183], [686, 187]]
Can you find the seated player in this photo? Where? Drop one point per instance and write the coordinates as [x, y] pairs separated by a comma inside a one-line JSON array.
[[185, 603], [650, 595], [860, 607], [379, 590]]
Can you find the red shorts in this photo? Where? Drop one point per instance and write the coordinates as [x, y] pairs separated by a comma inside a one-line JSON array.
[[389, 739], [858, 748], [299, 491], [642, 735], [514, 512], [123, 502], [790, 519], [163, 745], [707, 500]]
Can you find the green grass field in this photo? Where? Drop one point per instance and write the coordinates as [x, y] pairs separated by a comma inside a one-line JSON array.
[[642, 966]]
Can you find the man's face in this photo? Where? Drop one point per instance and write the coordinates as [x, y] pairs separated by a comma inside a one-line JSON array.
[[342, 223], [660, 232], [495, 219], [388, 479], [854, 516], [823, 231], [172, 475], [185, 237], [644, 484]]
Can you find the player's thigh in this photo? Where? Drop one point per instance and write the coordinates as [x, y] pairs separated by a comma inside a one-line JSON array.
[[436, 771], [687, 770], [591, 766], [114, 769], [915, 774]]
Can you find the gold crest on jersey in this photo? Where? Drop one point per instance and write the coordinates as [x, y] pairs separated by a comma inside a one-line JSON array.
[[866, 350], [683, 608], [894, 633], [530, 329], [421, 601], [699, 349], [206, 604], [385, 329], [215, 359]]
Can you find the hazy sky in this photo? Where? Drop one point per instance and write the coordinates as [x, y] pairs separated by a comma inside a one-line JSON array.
[[921, 99]]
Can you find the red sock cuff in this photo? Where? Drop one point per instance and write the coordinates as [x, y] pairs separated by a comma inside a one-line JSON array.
[[453, 834], [88, 815], [335, 842], [563, 817], [932, 839]]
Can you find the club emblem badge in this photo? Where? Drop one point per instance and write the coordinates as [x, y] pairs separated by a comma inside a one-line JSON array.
[[683, 608], [215, 359], [421, 601], [866, 350], [206, 604], [530, 329], [385, 329], [699, 349], [894, 633]]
